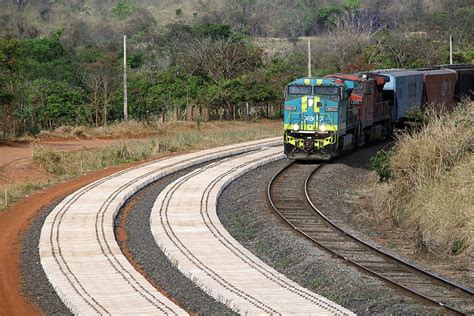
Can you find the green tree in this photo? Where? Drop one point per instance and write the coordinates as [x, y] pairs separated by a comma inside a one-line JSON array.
[[123, 9], [56, 103], [327, 15]]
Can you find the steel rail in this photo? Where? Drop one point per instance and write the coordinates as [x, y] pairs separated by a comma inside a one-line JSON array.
[[439, 278], [350, 236]]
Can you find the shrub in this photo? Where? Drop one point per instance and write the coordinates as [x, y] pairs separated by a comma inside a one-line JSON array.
[[123, 9], [381, 164]]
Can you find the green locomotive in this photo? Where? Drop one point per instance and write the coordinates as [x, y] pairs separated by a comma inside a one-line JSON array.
[[319, 121]]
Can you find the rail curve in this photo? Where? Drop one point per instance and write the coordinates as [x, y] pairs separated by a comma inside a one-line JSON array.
[[303, 216], [185, 225]]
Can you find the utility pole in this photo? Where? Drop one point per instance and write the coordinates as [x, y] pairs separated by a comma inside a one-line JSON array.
[[450, 49], [309, 58], [125, 100]]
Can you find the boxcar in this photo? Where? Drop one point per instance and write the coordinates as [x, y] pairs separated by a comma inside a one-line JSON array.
[[465, 80], [439, 86]]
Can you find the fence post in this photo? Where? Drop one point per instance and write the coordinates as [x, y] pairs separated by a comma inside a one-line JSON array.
[[6, 197]]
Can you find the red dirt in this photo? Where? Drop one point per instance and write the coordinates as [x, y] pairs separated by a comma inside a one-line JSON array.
[[13, 222], [22, 171], [16, 165], [13, 151]]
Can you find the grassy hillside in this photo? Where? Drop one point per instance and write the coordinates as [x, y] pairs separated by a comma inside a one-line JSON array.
[[260, 18], [429, 191]]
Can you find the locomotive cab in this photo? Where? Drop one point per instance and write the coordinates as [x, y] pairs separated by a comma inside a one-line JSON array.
[[315, 115]]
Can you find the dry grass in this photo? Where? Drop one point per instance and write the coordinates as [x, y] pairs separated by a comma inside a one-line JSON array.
[[430, 192], [176, 137], [135, 129]]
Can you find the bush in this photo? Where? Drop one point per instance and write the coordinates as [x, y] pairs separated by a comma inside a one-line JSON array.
[[123, 9], [381, 164]]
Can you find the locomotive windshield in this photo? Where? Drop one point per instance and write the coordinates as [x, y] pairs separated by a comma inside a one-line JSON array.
[[331, 93], [297, 91], [300, 90], [326, 90]]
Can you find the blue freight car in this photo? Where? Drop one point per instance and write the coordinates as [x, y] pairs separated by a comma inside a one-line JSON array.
[[405, 88]]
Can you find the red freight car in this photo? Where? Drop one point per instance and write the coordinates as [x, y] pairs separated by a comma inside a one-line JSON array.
[[367, 97], [438, 87], [465, 80]]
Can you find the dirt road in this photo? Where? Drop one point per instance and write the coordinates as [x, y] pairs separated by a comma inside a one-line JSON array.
[[13, 151], [16, 165]]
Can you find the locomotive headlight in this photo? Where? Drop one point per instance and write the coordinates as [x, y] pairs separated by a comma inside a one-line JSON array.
[[310, 102], [296, 127], [322, 128]]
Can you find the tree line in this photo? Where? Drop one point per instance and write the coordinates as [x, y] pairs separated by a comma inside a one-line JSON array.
[[210, 65], [44, 85]]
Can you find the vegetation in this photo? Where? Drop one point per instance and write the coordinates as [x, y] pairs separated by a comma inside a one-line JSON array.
[[429, 192], [208, 70], [60, 63], [172, 137], [381, 164]]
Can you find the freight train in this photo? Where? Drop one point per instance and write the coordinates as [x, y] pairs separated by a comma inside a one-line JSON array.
[[325, 116]]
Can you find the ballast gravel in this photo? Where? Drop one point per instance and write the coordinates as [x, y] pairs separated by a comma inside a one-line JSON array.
[[36, 286], [244, 211]]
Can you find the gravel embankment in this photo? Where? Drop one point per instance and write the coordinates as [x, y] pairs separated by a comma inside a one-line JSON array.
[[244, 211], [349, 202]]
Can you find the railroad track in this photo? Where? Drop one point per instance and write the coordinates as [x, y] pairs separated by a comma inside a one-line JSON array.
[[288, 194]]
